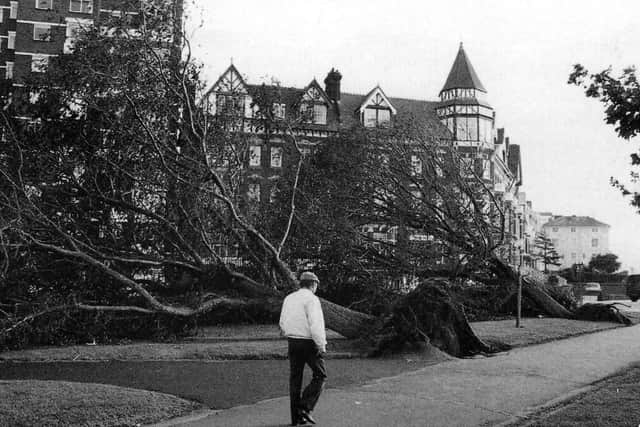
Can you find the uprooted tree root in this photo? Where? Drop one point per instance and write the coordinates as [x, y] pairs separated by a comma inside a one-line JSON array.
[[602, 312], [429, 316]]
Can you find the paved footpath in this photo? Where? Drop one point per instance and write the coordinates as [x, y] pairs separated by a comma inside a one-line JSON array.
[[461, 392]]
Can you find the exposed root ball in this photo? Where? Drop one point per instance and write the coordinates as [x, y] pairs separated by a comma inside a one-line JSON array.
[[429, 315]]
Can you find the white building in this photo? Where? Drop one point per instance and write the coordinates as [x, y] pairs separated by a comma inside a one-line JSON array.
[[577, 238]]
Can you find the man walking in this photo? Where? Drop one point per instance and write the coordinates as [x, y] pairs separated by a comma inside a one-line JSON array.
[[302, 322]]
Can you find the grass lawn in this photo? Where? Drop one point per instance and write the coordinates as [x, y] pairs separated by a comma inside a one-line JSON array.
[[186, 369], [33, 403], [613, 402], [264, 342], [537, 330], [217, 384]]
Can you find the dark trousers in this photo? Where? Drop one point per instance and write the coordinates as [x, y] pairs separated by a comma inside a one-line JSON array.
[[301, 352]]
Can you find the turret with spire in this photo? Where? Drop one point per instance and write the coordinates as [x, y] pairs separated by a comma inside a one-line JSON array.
[[463, 106]]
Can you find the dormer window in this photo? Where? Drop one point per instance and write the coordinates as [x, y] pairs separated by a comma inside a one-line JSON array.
[[376, 117], [376, 110], [320, 114], [314, 104]]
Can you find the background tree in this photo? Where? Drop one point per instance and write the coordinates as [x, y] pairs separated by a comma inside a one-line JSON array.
[[606, 263], [546, 252], [621, 98]]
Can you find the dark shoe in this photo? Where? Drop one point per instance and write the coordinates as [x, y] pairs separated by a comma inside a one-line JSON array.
[[306, 417]]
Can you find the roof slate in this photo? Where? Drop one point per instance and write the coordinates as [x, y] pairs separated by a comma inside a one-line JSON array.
[[462, 74], [574, 221], [422, 111]]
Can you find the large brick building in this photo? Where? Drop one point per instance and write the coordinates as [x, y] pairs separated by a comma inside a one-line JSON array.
[[462, 114], [33, 31]]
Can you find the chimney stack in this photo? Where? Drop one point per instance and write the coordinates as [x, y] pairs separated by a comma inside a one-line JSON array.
[[332, 85]]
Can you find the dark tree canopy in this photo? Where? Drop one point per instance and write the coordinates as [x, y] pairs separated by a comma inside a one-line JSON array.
[[621, 98], [606, 263]]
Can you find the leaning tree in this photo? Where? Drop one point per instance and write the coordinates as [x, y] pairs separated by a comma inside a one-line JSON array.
[[121, 176]]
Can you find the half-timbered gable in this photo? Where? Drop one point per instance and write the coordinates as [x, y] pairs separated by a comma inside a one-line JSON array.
[[229, 94], [376, 110], [315, 104]]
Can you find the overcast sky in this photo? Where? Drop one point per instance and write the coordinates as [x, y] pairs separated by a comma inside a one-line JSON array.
[[523, 52]]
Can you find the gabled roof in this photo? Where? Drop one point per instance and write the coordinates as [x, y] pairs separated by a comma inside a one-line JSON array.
[[231, 78], [286, 95], [315, 86], [370, 98], [424, 112], [574, 221], [462, 74]]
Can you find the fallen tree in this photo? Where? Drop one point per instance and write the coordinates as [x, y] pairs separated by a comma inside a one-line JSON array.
[[134, 175], [545, 299]]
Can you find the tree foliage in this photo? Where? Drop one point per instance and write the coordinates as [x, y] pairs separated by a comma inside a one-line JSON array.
[[382, 209], [122, 177], [546, 252], [621, 98], [606, 263]]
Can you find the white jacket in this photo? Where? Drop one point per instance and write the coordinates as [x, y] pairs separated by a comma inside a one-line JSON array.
[[301, 317]]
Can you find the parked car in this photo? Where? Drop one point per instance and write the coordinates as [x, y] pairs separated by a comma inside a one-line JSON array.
[[632, 285], [592, 292], [592, 287]]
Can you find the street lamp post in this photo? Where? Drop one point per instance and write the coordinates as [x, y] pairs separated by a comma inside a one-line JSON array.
[[519, 296]]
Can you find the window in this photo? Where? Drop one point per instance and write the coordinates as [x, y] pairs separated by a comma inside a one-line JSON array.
[[72, 31], [595, 229], [81, 6], [573, 255], [42, 32], [276, 157], [255, 152], [554, 229], [305, 151], [573, 229], [11, 40], [467, 128], [279, 111], [13, 12], [554, 242], [594, 243], [230, 104], [39, 63], [374, 117], [486, 169], [320, 114], [44, 4], [9, 71], [485, 130], [253, 194]]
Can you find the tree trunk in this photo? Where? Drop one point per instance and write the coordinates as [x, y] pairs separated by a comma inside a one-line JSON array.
[[426, 316], [549, 305], [348, 323]]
